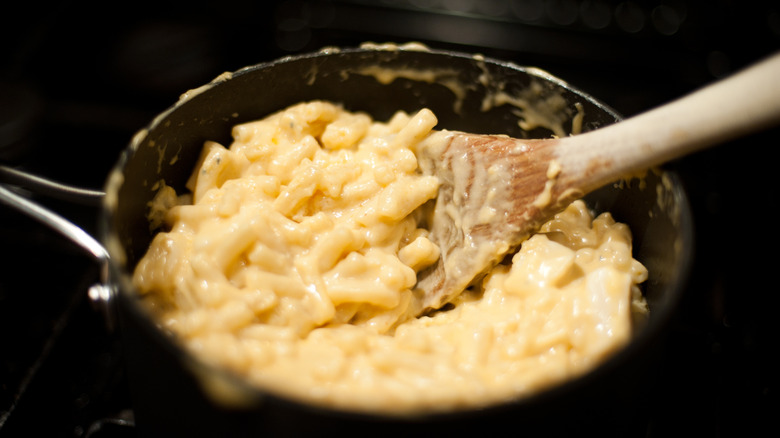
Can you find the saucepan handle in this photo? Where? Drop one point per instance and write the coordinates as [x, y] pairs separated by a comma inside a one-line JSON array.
[[12, 179]]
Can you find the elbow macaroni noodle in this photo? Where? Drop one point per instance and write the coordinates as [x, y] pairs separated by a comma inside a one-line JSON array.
[[292, 263]]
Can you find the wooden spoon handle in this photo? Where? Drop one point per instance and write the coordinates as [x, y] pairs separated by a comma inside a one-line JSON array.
[[745, 102]]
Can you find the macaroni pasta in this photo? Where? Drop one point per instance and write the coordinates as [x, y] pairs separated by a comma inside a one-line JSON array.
[[293, 258]]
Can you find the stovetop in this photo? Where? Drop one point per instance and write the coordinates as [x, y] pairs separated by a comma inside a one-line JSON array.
[[74, 88]]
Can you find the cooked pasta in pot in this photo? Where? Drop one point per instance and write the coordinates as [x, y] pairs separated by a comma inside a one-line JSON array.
[[293, 257]]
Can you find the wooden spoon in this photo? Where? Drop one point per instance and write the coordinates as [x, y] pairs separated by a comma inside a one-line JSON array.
[[496, 191]]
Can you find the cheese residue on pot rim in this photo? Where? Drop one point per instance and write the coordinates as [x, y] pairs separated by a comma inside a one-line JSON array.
[[537, 106], [293, 258]]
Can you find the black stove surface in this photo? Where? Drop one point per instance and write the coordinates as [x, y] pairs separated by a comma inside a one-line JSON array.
[[77, 82]]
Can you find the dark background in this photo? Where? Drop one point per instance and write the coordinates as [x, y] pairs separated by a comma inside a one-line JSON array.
[[77, 80]]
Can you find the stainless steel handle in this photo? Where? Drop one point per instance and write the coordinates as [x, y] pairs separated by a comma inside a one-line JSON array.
[[50, 188], [100, 294]]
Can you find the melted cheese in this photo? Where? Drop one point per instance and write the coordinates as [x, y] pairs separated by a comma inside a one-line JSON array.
[[292, 259]]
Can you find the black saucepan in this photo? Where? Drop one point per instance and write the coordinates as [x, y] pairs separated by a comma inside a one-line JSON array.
[[177, 395]]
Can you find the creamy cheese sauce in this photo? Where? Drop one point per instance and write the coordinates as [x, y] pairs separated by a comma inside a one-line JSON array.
[[292, 259]]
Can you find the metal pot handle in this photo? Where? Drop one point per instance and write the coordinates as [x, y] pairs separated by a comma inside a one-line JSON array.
[[101, 293], [50, 188]]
